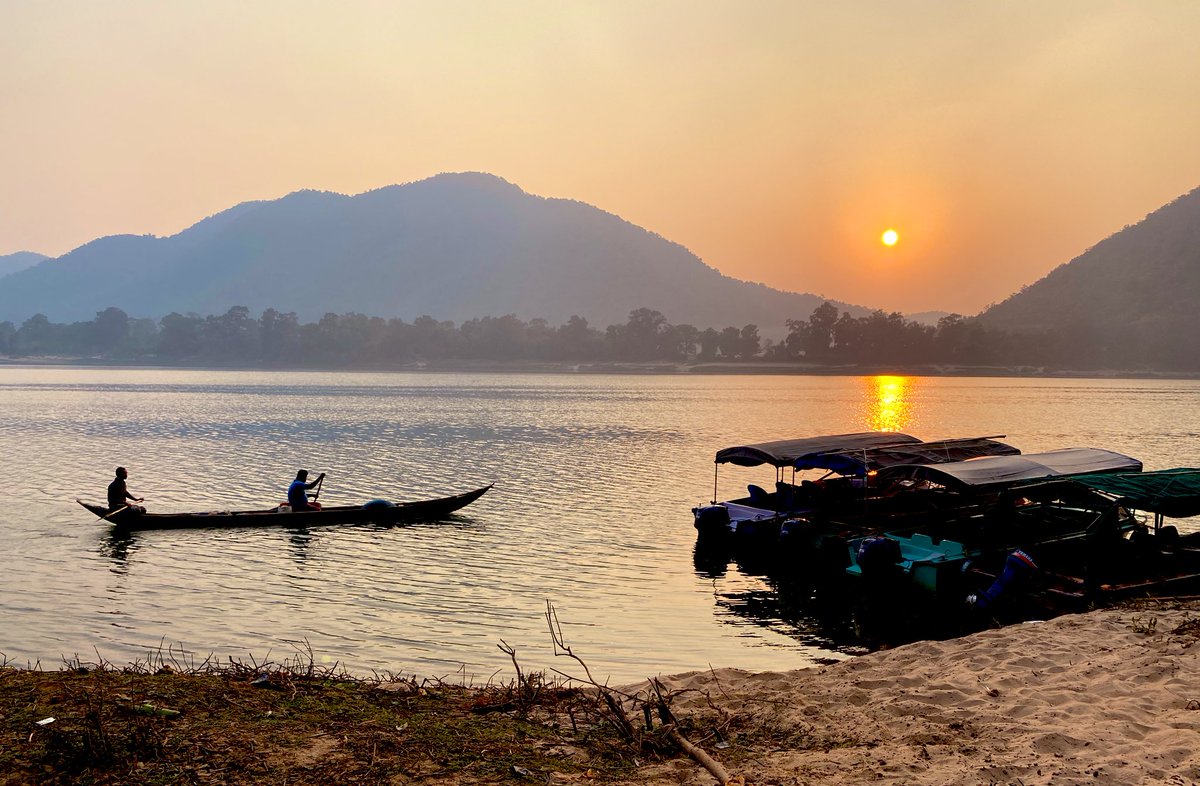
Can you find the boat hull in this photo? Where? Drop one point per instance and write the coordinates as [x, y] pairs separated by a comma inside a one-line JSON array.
[[420, 510]]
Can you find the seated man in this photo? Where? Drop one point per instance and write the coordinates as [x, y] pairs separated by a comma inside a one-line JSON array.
[[118, 493], [296, 496]]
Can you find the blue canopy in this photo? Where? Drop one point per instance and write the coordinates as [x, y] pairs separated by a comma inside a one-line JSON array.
[[860, 462]]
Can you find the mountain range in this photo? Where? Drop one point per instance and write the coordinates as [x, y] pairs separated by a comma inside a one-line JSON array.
[[468, 245], [454, 247], [1147, 272], [1129, 301], [11, 263]]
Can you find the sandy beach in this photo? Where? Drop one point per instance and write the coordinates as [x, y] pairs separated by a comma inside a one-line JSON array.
[[1107, 697]]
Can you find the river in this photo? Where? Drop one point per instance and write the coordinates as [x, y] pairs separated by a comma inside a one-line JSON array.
[[595, 478]]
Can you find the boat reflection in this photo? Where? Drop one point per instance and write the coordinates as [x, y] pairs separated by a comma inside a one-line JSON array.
[[117, 545], [746, 591], [888, 402]]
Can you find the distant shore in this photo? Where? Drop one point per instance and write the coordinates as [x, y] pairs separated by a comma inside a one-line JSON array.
[[630, 368]]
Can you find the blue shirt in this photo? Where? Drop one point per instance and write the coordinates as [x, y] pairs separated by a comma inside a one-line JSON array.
[[296, 496]]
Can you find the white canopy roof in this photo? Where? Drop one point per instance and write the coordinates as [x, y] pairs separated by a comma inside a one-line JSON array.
[[782, 453]]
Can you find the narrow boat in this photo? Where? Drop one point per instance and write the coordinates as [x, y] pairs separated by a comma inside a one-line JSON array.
[[376, 511], [849, 462]]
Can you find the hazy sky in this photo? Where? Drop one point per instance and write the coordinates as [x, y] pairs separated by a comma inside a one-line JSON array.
[[776, 140]]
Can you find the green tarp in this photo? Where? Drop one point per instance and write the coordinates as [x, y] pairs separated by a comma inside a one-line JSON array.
[[1171, 492]]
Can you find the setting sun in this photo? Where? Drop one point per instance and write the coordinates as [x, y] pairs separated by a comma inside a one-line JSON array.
[[890, 237]]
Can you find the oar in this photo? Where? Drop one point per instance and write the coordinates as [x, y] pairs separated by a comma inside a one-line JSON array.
[[319, 482], [115, 512]]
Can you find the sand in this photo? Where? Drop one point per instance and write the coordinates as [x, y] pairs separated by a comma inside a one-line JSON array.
[[1107, 697]]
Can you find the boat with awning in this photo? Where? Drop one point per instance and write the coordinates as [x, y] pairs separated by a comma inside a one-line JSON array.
[[848, 461], [998, 471]]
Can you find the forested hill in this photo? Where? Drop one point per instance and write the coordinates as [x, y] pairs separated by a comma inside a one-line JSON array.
[[1128, 302], [11, 263], [455, 247]]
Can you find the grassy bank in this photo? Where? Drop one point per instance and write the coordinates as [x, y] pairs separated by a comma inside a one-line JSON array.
[[239, 725]]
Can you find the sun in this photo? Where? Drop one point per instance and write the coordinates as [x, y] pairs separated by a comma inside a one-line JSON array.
[[889, 237]]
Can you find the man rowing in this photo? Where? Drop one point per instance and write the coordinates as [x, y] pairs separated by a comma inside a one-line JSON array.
[[118, 493], [297, 497]]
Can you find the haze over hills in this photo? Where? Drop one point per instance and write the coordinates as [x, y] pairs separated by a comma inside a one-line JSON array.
[[11, 263], [1131, 298], [455, 246]]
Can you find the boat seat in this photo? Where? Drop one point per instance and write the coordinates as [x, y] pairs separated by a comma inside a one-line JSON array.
[[759, 497]]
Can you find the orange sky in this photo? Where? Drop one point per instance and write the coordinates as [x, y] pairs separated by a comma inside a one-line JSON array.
[[776, 140]]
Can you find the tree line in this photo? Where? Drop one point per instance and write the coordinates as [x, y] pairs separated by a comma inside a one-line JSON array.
[[276, 338]]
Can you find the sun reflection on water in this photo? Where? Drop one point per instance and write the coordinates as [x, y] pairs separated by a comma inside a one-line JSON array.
[[888, 405]]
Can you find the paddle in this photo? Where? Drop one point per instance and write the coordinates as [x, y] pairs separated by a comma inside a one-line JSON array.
[[126, 506], [320, 480], [114, 512]]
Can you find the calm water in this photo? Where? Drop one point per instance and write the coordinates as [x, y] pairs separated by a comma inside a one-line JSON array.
[[595, 476]]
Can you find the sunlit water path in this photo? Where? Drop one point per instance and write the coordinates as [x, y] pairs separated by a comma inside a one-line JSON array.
[[595, 477]]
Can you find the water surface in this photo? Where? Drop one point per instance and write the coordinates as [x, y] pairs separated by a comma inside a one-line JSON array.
[[595, 477]]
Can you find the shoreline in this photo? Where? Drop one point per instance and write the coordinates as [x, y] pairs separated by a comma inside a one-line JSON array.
[[1109, 696], [624, 368]]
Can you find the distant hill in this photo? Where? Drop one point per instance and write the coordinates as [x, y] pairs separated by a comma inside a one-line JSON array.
[[1130, 301], [11, 263], [927, 317], [455, 246]]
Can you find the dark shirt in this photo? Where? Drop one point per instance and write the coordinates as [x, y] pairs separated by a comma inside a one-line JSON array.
[[117, 494]]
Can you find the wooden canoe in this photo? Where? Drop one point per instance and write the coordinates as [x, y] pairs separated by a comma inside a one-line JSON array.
[[376, 512]]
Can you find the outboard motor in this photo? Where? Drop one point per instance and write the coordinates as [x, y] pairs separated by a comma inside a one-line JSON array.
[[712, 521], [880, 615], [1018, 567], [877, 557]]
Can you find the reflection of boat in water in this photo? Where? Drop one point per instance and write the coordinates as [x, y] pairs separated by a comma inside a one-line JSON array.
[[850, 463], [375, 511]]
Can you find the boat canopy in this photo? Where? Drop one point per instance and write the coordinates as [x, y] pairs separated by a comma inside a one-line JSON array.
[[860, 462], [1170, 492], [1005, 470], [784, 452]]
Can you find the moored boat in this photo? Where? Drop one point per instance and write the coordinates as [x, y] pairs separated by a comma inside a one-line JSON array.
[[1150, 558], [849, 463], [1007, 504], [377, 511]]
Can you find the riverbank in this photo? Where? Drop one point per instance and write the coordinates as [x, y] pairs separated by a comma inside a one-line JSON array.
[[648, 368], [1108, 697]]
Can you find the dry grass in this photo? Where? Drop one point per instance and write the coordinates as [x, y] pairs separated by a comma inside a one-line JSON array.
[[165, 722]]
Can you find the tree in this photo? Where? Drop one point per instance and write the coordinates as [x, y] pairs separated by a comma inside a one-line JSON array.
[[748, 343], [710, 344], [279, 336], [108, 330], [820, 336], [577, 341], [180, 335], [232, 335], [37, 336]]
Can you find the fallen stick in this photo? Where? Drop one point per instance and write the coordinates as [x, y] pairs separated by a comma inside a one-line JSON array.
[[706, 761]]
